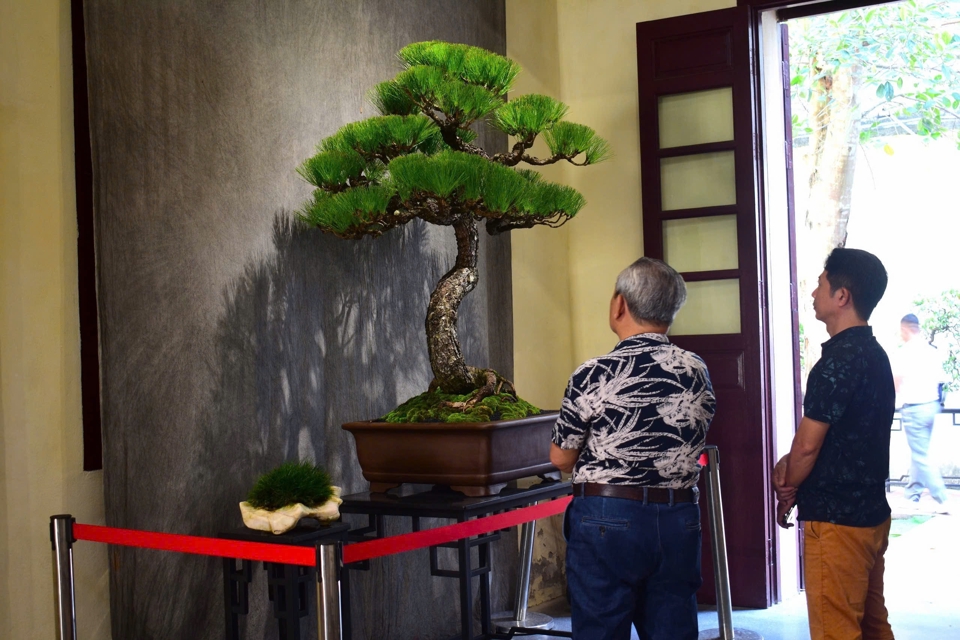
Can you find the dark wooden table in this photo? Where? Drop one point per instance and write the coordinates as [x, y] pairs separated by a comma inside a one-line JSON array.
[[446, 504], [286, 584]]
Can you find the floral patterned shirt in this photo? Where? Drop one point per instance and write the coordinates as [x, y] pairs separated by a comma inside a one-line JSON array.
[[639, 415]]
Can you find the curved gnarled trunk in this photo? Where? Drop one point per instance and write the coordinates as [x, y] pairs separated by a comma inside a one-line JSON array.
[[450, 371]]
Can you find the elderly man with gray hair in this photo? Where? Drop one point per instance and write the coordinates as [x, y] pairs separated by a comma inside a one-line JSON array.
[[631, 429]]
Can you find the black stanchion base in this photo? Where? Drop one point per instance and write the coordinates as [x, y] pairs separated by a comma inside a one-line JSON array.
[[738, 634], [521, 632]]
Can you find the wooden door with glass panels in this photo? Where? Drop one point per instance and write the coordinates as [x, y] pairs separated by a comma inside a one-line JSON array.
[[698, 178]]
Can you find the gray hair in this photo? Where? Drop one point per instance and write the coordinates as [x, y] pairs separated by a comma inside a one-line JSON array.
[[653, 290]]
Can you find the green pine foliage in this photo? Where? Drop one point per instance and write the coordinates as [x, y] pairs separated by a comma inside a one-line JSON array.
[[454, 177], [390, 99], [333, 170], [290, 483], [569, 140], [417, 159], [386, 137], [468, 64], [529, 115], [430, 407]]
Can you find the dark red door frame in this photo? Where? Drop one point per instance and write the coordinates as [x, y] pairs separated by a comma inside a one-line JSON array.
[[694, 53], [786, 10], [794, 9], [86, 254]]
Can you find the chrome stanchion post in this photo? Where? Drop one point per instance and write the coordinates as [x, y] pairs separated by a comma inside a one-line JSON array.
[[61, 537], [520, 617], [329, 564], [528, 531], [718, 542], [721, 570]]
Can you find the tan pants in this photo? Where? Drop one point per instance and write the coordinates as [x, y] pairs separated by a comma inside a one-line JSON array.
[[843, 577]]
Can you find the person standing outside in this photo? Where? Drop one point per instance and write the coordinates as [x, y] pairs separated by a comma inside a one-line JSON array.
[[918, 372], [838, 463], [631, 429]]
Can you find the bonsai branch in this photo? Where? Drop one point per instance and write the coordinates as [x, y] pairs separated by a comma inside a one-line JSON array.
[[540, 162], [500, 225], [516, 153]]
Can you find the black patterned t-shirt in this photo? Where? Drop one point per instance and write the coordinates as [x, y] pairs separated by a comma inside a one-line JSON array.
[[851, 389], [639, 415]]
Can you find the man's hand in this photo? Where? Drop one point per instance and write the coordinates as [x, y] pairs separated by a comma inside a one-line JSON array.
[[784, 492], [783, 512], [786, 495]]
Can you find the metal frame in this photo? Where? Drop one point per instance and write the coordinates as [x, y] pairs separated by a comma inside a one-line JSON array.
[[333, 609], [286, 584], [61, 538], [452, 506]]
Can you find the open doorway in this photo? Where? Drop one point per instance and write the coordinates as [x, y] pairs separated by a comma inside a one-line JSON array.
[[868, 100]]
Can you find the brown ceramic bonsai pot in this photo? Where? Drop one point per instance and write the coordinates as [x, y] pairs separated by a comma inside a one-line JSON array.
[[476, 458]]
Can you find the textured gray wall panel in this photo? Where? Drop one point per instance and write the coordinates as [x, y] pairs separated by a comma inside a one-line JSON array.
[[232, 339]]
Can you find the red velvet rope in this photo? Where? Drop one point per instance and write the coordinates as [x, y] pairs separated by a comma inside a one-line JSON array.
[[306, 556], [430, 537], [265, 551]]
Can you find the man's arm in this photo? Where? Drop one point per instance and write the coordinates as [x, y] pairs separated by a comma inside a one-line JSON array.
[[563, 459], [804, 451]]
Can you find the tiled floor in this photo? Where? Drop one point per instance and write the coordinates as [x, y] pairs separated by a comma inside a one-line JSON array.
[[922, 582]]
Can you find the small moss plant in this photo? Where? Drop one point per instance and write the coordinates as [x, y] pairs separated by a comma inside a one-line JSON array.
[[290, 483], [436, 406]]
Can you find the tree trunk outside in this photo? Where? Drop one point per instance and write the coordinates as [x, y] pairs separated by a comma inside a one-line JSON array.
[[450, 371], [832, 155]]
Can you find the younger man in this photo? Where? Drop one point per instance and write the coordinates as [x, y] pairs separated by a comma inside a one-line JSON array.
[[837, 467]]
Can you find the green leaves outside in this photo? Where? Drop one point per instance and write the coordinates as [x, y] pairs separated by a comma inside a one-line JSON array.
[[906, 54], [941, 324]]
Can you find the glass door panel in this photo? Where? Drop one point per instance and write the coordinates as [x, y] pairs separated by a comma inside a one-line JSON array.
[[700, 180], [701, 244], [713, 307], [698, 117]]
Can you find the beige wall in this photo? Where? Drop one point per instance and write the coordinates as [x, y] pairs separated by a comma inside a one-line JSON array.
[[40, 429], [562, 281], [543, 333], [583, 53]]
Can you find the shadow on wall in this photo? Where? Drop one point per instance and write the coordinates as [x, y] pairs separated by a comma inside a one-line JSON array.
[[323, 332]]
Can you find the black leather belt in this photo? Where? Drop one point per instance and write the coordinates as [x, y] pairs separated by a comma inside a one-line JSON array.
[[657, 495]]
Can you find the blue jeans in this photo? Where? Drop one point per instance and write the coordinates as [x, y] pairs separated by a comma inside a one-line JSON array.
[[918, 426], [632, 563]]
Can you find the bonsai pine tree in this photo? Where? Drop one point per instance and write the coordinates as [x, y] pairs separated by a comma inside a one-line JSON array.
[[418, 160]]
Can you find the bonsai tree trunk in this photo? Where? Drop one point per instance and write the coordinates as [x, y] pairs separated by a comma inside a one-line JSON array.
[[450, 371]]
